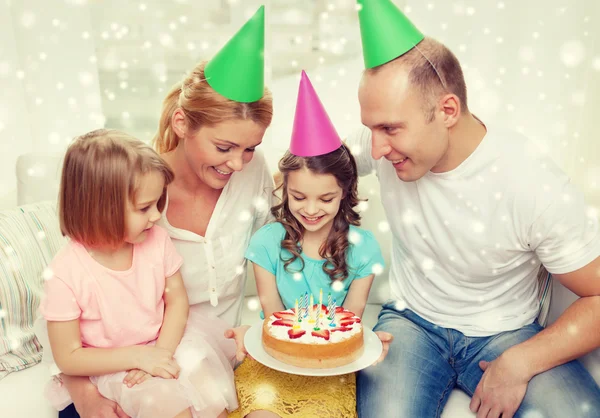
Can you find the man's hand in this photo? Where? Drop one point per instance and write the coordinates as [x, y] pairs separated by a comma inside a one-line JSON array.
[[95, 405], [501, 388], [136, 376], [386, 339], [237, 334]]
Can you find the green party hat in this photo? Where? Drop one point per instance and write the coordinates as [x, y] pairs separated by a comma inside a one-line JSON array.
[[237, 70], [385, 31]]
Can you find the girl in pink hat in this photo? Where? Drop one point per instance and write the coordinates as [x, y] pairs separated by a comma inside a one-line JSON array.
[[315, 244]]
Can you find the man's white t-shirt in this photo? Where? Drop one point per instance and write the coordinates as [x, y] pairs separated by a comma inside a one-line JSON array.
[[467, 244]]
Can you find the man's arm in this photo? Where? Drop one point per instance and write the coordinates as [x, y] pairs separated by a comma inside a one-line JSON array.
[[575, 332]]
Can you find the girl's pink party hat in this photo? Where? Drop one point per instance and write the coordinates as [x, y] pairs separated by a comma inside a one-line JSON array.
[[313, 132]]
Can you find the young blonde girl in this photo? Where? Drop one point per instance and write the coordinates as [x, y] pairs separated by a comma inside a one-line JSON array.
[[315, 244], [115, 303]]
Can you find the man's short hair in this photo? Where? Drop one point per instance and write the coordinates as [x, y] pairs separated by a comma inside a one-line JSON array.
[[434, 70]]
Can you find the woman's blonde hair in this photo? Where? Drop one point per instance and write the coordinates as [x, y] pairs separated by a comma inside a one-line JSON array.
[[203, 106], [100, 175]]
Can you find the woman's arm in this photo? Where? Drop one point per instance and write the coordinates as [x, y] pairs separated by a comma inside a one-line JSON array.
[[267, 291], [176, 313], [269, 300], [356, 299], [88, 401], [75, 360]]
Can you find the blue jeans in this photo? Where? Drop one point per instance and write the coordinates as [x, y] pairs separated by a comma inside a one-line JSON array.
[[426, 362]]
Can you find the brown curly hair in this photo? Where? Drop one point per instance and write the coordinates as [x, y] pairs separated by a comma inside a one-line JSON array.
[[341, 164]]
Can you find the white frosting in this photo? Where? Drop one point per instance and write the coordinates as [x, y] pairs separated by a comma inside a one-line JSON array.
[[281, 331]]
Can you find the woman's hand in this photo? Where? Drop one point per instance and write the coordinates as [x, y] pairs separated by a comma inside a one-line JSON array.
[[88, 401], [157, 362], [237, 334], [136, 376], [386, 339]]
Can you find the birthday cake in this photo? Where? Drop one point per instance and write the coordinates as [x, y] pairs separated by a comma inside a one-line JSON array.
[[314, 336]]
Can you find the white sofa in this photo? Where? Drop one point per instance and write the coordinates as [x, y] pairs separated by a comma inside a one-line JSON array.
[[21, 393]]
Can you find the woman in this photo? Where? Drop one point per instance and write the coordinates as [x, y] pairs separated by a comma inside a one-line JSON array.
[[209, 129]]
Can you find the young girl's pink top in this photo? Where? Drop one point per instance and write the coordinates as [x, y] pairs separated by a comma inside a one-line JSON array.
[[115, 308]]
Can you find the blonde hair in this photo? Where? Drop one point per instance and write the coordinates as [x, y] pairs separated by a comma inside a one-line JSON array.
[[434, 70], [203, 106], [100, 175]]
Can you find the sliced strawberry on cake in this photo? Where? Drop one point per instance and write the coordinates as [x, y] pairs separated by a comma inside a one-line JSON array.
[[349, 321], [284, 322], [339, 316], [284, 315], [295, 333], [323, 333], [342, 329]]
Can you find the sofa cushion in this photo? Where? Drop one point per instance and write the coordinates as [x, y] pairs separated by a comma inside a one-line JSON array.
[[22, 394], [29, 238]]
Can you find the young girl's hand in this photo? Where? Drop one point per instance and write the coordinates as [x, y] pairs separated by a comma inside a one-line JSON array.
[[157, 362], [136, 376], [386, 339], [237, 334]]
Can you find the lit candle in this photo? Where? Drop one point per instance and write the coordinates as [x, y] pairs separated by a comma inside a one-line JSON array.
[[312, 309]]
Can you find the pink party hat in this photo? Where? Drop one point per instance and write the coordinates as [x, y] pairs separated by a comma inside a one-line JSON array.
[[313, 132]]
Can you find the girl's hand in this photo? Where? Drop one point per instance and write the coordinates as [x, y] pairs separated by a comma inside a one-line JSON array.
[[386, 339], [136, 376], [157, 362], [237, 334]]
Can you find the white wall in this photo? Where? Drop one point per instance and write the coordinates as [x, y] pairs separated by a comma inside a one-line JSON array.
[[48, 79], [533, 66]]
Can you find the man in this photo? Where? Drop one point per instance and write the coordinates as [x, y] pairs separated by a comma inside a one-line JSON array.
[[474, 211]]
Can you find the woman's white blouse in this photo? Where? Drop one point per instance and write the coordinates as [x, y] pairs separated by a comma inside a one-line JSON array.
[[214, 267]]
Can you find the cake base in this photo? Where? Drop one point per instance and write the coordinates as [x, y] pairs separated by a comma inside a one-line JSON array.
[[315, 363], [313, 356]]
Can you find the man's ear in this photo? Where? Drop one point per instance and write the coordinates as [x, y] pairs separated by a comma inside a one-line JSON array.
[[450, 107]]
